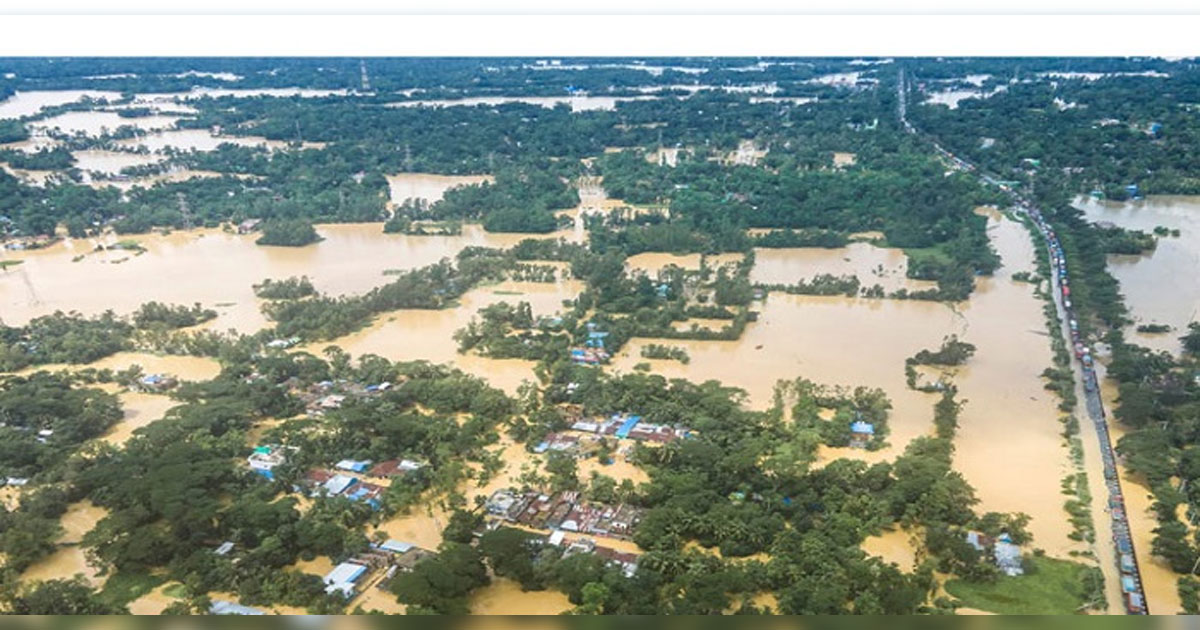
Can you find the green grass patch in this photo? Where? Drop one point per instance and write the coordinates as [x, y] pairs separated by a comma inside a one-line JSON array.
[[5, 264], [917, 255], [1053, 587], [125, 586], [176, 590]]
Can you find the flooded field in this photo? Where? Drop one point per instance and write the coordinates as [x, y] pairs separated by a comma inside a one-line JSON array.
[[215, 268], [111, 162], [427, 186], [505, 597], [29, 103], [426, 334], [654, 262], [830, 340], [96, 123], [872, 265], [194, 140], [852, 341], [1161, 286]]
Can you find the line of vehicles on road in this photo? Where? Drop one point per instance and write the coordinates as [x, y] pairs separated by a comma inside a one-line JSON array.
[[1132, 591]]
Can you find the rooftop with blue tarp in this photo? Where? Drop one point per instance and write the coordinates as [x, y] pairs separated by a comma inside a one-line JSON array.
[[862, 427], [627, 426]]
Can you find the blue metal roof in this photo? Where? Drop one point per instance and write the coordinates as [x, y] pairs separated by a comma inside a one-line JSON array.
[[862, 427], [628, 425]]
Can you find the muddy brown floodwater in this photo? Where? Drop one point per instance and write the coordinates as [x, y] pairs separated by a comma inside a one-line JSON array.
[[1158, 580], [215, 268], [505, 597], [853, 341], [70, 558], [1009, 416], [427, 186], [95, 123], [1161, 286], [29, 103], [895, 546], [872, 265], [408, 335]]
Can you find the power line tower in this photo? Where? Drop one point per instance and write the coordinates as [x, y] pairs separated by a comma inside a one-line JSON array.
[[407, 158], [184, 210], [366, 80]]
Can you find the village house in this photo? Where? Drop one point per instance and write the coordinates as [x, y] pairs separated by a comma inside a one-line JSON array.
[[560, 443], [394, 468], [565, 511], [344, 579], [1005, 554], [627, 426], [627, 562], [861, 433], [155, 383], [264, 459]]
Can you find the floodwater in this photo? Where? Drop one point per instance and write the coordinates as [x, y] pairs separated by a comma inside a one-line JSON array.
[[620, 469], [31, 177], [215, 268], [830, 340], [1160, 287], [895, 546], [407, 335], [505, 597], [885, 266], [36, 142], [154, 602], [834, 340], [70, 558], [654, 262], [173, 175], [95, 123], [427, 186], [195, 140], [421, 527], [79, 519], [29, 103], [111, 162], [140, 410], [1008, 413], [1158, 580]]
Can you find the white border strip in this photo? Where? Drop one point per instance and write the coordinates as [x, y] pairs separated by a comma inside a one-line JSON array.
[[599, 35]]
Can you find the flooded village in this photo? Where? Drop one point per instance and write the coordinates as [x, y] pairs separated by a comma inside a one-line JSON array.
[[531, 421]]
